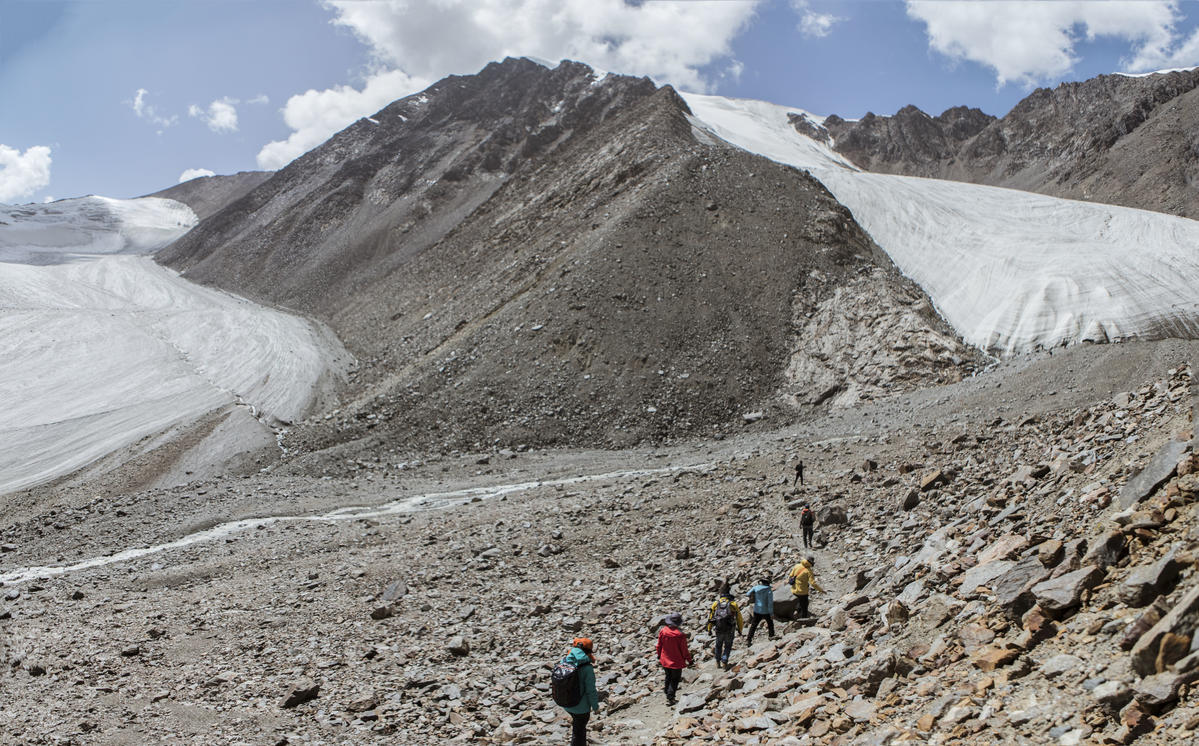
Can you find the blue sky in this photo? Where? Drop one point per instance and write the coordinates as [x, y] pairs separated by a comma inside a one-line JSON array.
[[123, 97]]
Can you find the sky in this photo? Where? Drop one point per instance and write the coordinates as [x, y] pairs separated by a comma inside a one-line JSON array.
[[126, 97]]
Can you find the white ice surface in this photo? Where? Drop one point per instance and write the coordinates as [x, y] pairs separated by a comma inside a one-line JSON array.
[[100, 346], [1009, 270], [1158, 72]]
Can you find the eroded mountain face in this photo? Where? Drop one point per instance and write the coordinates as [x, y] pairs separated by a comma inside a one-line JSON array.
[[549, 257], [1115, 139]]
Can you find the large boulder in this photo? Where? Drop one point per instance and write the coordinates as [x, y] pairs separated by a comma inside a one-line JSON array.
[[1147, 582], [1154, 475], [1013, 589], [831, 514], [1180, 619], [1060, 594]]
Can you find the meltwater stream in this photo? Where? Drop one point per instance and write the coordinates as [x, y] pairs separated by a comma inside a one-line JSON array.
[[431, 501]]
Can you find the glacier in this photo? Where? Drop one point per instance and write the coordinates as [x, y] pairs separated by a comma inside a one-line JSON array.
[[1011, 271], [100, 346]]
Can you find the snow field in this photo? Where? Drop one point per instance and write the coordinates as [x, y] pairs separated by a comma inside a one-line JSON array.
[[98, 350]]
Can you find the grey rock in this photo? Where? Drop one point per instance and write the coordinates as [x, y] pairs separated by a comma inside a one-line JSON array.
[[1064, 592], [982, 575], [395, 590], [1147, 582], [832, 515], [1105, 549], [1144, 652], [1013, 589], [304, 690], [458, 646], [1113, 694], [1154, 475], [1060, 664]]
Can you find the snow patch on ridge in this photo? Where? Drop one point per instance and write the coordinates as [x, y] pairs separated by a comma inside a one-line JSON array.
[[1009, 270]]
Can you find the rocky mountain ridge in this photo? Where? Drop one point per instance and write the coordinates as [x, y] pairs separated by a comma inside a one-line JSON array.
[[1116, 139], [535, 256]]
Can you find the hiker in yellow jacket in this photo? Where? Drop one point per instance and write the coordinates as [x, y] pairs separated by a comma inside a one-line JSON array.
[[801, 578]]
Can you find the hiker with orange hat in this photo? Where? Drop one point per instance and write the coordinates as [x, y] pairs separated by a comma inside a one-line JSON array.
[[673, 653], [573, 686]]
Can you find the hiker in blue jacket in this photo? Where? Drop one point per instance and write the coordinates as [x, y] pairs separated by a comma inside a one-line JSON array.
[[762, 596], [583, 657]]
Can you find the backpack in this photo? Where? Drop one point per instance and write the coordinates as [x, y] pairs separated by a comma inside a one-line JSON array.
[[806, 518], [722, 618], [564, 684]]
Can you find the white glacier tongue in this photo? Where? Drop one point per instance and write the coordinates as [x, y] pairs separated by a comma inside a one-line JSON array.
[[1009, 270], [100, 346]]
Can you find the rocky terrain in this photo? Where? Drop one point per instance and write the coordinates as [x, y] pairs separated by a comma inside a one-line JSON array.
[[557, 257], [1115, 139], [1006, 558], [207, 195]]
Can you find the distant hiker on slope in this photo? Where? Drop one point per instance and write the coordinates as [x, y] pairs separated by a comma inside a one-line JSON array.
[[798, 474], [762, 597], [807, 522], [573, 686], [673, 653], [802, 580], [724, 618]]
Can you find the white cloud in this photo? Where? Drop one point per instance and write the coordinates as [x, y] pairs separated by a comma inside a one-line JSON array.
[[22, 174], [146, 111], [194, 173], [1027, 41], [261, 98], [314, 116], [220, 116], [811, 23], [669, 41]]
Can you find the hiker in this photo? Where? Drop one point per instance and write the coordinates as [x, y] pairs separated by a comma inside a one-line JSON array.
[[724, 618], [574, 679], [807, 521], [762, 596], [673, 653], [801, 578], [798, 474]]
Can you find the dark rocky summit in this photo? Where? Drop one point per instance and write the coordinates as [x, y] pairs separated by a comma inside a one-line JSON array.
[[1122, 140]]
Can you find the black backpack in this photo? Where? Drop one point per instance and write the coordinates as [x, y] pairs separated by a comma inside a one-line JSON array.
[[806, 518], [564, 684], [722, 617]]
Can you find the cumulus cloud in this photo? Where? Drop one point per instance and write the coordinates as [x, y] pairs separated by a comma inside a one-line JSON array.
[[194, 173], [316, 115], [811, 23], [220, 116], [145, 110], [1026, 41], [22, 174]]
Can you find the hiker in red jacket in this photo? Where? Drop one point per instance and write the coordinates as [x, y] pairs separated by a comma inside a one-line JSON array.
[[673, 653]]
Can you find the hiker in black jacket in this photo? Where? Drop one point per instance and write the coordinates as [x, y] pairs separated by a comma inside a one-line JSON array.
[[724, 618], [807, 522], [798, 474]]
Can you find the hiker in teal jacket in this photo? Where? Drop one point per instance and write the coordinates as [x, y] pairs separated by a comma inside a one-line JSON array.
[[762, 596], [582, 655]]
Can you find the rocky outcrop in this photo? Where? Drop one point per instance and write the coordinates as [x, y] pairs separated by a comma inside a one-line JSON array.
[[1115, 139]]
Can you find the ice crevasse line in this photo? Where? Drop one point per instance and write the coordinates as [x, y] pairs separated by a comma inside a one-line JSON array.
[[1009, 270]]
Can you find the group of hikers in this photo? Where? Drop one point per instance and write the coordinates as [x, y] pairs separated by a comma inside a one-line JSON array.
[[573, 679]]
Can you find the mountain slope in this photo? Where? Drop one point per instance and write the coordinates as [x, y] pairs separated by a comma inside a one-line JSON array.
[[206, 195], [1116, 139], [548, 256]]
